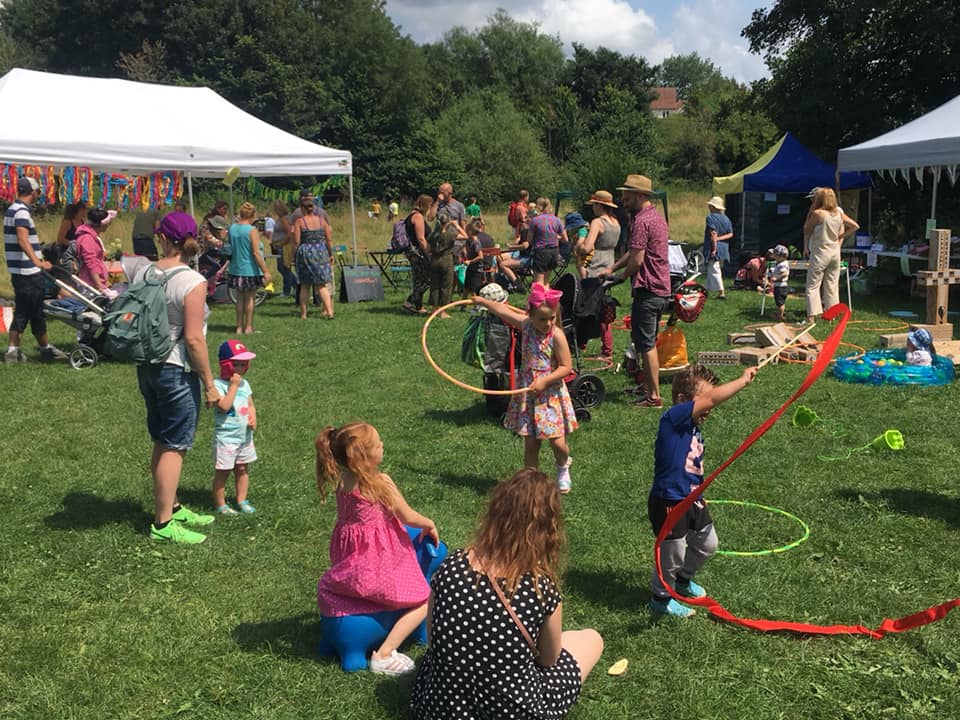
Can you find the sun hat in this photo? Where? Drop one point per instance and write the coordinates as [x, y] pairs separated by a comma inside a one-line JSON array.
[[574, 221], [638, 184], [716, 202], [218, 222], [234, 350], [920, 339], [26, 185], [602, 197], [781, 251]]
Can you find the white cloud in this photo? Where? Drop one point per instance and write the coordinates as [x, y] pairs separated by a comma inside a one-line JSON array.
[[710, 28]]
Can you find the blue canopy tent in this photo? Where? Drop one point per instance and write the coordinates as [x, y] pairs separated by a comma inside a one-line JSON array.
[[766, 200]]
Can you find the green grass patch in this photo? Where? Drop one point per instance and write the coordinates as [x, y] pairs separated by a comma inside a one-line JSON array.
[[98, 622]]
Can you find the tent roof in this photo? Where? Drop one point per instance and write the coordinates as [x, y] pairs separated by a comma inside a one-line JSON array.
[[788, 166], [932, 139], [158, 127]]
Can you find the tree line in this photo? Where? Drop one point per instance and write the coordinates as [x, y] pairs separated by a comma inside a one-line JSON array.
[[501, 106]]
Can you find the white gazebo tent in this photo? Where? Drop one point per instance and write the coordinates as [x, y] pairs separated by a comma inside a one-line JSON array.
[[932, 142], [51, 119]]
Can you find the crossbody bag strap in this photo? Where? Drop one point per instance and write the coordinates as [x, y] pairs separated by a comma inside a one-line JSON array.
[[513, 615]]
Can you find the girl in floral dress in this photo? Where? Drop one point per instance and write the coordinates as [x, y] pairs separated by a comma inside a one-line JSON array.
[[546, 411], [373, 564]]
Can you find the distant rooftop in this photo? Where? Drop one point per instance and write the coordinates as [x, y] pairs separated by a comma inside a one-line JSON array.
[[666, 100]]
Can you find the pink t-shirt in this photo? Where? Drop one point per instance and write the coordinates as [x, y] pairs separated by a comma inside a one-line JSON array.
[[649, 232]]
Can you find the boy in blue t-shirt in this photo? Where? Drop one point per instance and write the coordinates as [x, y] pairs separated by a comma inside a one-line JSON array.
[[235, 419], [678, 470]]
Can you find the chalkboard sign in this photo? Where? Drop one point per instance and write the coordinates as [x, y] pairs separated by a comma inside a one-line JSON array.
[[362, 282]]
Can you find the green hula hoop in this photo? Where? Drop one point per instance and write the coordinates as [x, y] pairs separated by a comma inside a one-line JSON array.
[[776, 511]]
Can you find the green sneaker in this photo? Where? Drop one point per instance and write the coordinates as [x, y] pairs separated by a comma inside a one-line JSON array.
[[177, 533], [189, 517]]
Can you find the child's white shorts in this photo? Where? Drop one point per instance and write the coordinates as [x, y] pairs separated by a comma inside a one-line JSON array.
[[226, 457]]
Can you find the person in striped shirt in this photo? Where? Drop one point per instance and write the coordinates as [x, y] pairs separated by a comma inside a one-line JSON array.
[[24, 263]]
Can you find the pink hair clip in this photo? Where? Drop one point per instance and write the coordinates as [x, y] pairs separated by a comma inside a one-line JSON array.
[[540, 294]]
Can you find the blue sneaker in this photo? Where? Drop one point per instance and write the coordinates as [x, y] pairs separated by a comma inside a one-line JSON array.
[[690, 589], [671, 607]]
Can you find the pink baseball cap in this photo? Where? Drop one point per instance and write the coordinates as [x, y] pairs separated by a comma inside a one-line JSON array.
[[234, 350]]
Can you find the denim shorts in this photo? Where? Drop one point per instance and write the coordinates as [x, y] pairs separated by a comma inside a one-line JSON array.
[[545, 259], [645, 318], [172, 397]]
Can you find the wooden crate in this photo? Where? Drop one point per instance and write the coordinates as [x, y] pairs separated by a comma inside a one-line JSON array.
[[720, 357], [940, 331], [754, 355], [741, 338], [778, 335], [950, 349]]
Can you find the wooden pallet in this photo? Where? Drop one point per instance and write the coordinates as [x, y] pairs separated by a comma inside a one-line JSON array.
[[719, 357]]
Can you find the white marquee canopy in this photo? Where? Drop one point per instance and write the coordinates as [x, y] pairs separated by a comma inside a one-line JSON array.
[[59, 120]]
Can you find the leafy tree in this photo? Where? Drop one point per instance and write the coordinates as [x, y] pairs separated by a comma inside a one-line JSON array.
[[497, 147], [688, 148], [843, 71], [589, 72], [690, 74]]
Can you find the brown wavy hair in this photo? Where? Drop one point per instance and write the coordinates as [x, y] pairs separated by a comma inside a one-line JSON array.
[[350, 447], [522, 530]]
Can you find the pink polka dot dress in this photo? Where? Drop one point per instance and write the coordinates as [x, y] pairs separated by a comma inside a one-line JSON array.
[[373, 565]]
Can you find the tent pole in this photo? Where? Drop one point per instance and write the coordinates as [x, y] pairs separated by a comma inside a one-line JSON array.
[[933, 201], [870, 209], [190, 191], [353, 221], [743, 224]]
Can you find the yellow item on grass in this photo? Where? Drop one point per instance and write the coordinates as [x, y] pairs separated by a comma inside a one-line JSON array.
[[619, 667], [672, 348]]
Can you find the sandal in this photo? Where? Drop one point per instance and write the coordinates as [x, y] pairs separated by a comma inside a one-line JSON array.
[[225, 509], [246, 507], [394, 664]]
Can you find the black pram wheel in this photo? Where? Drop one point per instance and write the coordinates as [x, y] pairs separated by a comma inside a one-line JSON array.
[[582, 414], [588, 391], [83, 356]]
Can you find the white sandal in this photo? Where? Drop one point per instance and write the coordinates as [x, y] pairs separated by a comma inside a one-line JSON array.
[[395, 664]]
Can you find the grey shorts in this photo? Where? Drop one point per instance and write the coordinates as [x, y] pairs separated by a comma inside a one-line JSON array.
[[645, 319]]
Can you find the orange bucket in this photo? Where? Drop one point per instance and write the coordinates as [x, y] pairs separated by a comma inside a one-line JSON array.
[[626, 322]]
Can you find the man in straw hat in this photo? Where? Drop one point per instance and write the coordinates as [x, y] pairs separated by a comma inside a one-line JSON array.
[[716, 236], [647, 264]]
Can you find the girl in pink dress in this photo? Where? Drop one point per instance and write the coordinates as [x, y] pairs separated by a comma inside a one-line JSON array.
[[546, 412], [373, 565]]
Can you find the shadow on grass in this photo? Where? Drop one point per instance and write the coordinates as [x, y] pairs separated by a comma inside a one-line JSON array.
[[908, 501], [463, 417], [393, 694], [86, 511], [294, 637], [607, 589], [481, 484], [198, 499]]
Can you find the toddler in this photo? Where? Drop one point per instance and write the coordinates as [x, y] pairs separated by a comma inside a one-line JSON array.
[[920, 350], [235, 419], [678, 470], [779, 277]]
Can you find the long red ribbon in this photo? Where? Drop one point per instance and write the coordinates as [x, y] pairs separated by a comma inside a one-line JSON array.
[[909, 622]]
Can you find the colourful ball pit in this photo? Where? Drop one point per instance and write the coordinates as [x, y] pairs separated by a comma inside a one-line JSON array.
[[888, 367]]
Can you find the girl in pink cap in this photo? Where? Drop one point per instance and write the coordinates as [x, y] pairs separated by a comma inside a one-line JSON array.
[[235, 419]]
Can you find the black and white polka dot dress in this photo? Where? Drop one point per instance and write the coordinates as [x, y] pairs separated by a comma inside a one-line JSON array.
[[478, 665]]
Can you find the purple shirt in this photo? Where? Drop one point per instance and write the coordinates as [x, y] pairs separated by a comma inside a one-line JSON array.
[[649, 233], [546, 229]]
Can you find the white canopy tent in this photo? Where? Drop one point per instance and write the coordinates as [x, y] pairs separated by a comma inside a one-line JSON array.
[[160, 127], [932, 142]]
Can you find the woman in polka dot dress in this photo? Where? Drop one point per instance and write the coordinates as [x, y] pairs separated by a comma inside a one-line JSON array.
[[373, 565], [546, 412], [479, 663]]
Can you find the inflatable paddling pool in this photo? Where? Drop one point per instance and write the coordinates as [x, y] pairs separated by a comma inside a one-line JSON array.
[[888, 367]]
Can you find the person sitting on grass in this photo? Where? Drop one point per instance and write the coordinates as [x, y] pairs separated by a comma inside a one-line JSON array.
[[497, 647], [678, 470], [373, 564], [235, 420]]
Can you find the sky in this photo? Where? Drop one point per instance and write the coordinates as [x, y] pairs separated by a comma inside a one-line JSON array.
[[652, 29]]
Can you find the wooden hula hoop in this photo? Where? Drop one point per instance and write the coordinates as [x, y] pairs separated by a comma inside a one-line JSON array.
[[447, 376]]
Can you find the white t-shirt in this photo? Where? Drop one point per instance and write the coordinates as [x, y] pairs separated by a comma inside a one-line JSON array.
[[177, 288]]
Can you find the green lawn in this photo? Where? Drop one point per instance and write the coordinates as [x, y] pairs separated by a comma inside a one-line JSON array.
[[98, 622]]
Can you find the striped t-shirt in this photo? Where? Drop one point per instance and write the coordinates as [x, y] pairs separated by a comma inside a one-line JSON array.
[[18, 262]]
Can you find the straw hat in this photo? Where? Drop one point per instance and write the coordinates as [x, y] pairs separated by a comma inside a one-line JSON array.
[[602, 197], [638, 184], [716, 202]]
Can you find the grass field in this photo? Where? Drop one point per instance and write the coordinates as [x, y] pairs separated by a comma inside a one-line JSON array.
[[98, 622]]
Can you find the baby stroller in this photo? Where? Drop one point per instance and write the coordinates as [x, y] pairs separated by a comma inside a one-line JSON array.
[[83, 310], [581, 304], [494, 347]]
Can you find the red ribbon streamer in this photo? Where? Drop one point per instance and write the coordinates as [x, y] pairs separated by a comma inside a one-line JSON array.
[[925, 617]]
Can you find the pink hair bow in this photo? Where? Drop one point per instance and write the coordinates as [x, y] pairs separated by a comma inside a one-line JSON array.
[[540, 294]]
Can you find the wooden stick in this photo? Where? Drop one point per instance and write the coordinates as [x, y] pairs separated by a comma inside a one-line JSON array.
[[796, 341]]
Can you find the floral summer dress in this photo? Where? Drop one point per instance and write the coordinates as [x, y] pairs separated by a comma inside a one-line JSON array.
[[312, 258], [546, 414], [373, 565]]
